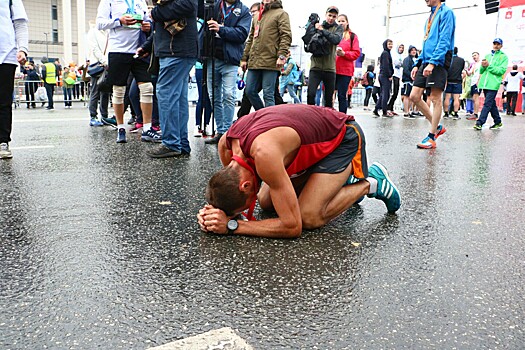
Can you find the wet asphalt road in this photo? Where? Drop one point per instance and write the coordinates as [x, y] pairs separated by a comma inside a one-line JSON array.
[[99, 247]]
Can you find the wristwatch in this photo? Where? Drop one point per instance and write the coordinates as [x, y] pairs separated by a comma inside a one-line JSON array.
[[232, 226], [282, 57]]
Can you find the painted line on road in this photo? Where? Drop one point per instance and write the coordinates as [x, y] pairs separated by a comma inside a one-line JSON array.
[[50, 120], [33, 147]]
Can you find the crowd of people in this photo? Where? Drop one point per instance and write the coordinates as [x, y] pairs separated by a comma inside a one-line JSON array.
[[141, 57]]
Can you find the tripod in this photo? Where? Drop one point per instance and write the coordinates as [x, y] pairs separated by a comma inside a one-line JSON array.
[[208, 52]]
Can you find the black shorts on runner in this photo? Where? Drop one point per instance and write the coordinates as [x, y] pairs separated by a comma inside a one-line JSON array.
[[406, 89], [351, 150], [436, 80], [121, 64]]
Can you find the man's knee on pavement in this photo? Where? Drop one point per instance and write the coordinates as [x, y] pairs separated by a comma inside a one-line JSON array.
[[311, 218], [146, 92], [118, 95]]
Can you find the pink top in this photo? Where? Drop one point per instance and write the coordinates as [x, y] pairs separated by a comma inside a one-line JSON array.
[[344, 65]]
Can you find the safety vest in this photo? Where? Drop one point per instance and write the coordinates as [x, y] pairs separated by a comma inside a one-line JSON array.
[[51, 73]]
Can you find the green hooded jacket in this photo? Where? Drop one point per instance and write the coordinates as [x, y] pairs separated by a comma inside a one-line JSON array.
[[491, 76]]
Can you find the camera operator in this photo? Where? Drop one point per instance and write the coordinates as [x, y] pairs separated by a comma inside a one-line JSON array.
[[230, 25], [175, 44]]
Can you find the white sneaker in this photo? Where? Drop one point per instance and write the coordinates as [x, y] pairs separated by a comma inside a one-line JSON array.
[[5, 152], [207, 130], [197, 131]]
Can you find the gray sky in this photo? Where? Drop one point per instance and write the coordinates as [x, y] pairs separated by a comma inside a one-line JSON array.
[[474, 29]]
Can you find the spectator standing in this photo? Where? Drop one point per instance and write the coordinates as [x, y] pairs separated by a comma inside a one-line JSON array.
[[431, 69], [346, 53], [31, 84], [97, 44], [493, 67], [13, 51], [231, 29], [406, 89], [177, 55], [369, 85], [127, 24], [322, 68], [513, 80], [386, 71], [454, 85], [67, 87], [396, 78], [473, 72], [289, 76], [49, 75], [265, 52], [203, 102]]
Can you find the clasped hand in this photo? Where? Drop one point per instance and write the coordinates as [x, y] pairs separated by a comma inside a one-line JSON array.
[[213, 220]]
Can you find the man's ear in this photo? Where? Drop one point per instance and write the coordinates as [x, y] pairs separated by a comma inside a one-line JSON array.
[[245, 186]]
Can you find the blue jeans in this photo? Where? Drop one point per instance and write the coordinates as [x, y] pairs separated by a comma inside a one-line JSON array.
[[254, 79], [291, 90], [225, 93], [172, 95], [384, 95], [67, 96], [489, 106], [523, 102], [203, 104], [341, 84]]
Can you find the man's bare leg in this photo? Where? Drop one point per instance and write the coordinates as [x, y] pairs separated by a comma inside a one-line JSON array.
[[324, 197], [119, 113]]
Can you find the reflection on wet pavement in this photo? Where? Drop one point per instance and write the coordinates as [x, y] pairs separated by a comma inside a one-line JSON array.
[[100, 248]]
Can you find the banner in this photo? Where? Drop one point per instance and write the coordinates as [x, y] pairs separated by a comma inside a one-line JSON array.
[[511, 28]]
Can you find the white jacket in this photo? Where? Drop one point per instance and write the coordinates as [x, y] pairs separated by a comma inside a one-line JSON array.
[[97, 40], [513, 81]]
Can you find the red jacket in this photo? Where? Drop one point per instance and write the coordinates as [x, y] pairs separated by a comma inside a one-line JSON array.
[[344, 65]]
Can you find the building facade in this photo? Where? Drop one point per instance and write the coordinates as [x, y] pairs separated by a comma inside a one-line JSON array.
[[58, 28]]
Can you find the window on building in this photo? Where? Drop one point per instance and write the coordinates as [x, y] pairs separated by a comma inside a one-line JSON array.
[[55, 36], [54, 12]]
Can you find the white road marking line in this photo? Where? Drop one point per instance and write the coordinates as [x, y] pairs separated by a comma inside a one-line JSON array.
[[32, 147], [62, 120]]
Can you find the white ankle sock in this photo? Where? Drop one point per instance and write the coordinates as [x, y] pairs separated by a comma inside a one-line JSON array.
[[121, 126], [373, 185], [146, 126]]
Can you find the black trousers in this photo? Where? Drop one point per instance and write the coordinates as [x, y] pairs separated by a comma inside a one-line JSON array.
[[50, 88], [395, 91], [367, 97], [512, 99], [328, 79], [30, 88], [7, 77]]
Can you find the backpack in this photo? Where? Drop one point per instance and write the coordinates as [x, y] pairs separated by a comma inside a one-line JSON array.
[[314, 41], [364, 79]]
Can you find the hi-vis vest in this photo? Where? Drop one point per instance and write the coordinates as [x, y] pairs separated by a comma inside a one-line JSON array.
[[51, 73]]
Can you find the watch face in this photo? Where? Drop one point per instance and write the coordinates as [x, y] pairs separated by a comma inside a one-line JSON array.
[[232, 225]]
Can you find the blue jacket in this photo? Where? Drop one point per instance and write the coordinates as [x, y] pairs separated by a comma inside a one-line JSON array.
[[235, 30], [440, 38], [184, 44]]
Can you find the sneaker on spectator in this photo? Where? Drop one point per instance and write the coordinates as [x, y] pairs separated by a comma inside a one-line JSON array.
[[121, 136], [197, 131], [156, 128], [477, 127], [375, 113], [151, 136], [132, 120], [455, 115], [95, 122], [5, 152], [109, 121], [386, 190], [137, 127], [427, 143], [472, 117], [496, 126]]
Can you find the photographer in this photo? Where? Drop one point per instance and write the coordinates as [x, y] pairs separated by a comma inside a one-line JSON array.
[[175, 45], [230, 25]]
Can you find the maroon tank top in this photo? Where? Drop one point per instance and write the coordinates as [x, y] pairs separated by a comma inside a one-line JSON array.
[[321, 130]]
